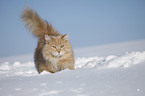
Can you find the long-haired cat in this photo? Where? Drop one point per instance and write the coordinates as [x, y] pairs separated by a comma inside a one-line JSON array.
[[54, 52]]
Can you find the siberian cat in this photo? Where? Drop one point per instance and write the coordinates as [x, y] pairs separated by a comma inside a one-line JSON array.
[[54, 52]]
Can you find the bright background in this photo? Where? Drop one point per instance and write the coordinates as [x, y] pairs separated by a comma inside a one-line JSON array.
[[88, 22]]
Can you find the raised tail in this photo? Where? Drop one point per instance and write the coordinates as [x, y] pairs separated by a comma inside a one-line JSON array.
[[36, 24]]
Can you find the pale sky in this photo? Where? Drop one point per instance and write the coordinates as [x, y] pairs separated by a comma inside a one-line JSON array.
[[88, 22]]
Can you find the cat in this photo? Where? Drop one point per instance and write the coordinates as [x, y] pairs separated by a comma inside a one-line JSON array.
[[54, 52]]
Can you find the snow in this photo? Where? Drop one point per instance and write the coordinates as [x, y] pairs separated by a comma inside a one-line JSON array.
[[107, 70], [111, 61]]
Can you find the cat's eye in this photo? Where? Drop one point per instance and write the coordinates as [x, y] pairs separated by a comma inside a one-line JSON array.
[[54, 47], [61, 46]]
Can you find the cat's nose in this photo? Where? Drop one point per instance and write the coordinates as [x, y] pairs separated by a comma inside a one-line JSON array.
[[58, 51]]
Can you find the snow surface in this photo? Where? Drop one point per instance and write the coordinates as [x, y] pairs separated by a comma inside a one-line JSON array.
[[107, 70]]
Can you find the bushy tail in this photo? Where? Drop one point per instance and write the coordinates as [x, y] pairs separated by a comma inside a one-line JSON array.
[[36, 24]]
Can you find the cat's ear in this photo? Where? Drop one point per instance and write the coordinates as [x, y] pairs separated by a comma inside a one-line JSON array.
[[47, 38], [65, 36]]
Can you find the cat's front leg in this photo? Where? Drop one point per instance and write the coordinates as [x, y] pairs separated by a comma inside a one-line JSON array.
[[66, 64]]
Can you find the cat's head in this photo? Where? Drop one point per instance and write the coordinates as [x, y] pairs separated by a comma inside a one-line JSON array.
[[57, 45]]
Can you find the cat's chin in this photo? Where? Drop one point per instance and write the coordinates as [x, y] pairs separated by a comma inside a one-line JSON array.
[[59, 55]]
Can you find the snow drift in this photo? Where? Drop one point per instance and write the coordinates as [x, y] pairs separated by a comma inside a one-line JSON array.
[[111, 61]]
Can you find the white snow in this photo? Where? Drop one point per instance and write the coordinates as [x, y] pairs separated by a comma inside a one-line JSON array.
[[111, 61], [107, 70]]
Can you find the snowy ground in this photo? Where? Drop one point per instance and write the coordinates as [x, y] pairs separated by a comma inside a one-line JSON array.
[[107, 70]]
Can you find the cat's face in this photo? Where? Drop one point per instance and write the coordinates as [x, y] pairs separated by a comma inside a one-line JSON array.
[[57, 45]]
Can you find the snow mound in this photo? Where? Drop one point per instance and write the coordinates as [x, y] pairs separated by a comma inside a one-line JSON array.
[[17, 68], [111, 61], [28, 69]]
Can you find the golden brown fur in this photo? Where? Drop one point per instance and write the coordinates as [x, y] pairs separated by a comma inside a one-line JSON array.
[[54, 52]]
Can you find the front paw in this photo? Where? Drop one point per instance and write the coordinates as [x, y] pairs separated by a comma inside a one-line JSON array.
[[60, 68]]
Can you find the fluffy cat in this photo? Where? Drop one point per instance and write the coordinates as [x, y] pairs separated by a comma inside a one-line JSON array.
[[54, 52]]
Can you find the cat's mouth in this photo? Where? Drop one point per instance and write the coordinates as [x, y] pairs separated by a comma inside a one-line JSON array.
[[57, 55]]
